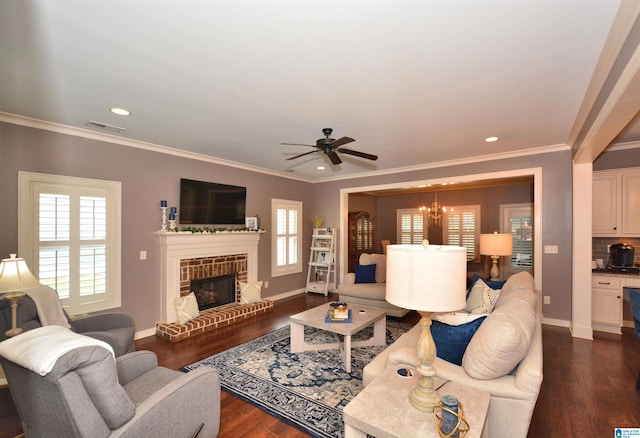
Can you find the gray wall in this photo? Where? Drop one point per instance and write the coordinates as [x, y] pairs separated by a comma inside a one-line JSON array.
[[146, 178], [556, 212]]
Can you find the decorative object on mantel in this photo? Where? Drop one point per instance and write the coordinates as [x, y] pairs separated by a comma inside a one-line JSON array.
[[496, 245], [172, 218], [15, 278], [317, 221], [213, 230], [163, 206], [426, 278], [251, 223]]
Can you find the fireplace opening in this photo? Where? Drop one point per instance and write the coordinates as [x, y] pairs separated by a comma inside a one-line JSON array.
[[214, 291]]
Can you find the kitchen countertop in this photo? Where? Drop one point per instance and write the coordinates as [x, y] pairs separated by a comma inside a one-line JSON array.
[[608, 273]]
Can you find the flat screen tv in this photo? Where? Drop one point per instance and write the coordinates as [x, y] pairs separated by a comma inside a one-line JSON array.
[[205, 203]]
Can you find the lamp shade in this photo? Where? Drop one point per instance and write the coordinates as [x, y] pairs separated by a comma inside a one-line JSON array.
[[15, 275], [431, 279], [496, 244]]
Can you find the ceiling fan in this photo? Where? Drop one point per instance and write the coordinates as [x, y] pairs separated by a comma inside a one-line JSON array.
[[330, 147]]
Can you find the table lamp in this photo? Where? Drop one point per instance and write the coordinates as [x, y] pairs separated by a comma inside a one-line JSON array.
[[15, 277], [496, 245], [429, 279]]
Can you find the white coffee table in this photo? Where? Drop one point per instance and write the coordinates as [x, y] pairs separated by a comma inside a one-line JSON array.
[[361, 317], [382, 409]]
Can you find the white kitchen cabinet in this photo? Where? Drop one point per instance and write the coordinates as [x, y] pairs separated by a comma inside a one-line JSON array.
[[631, 203], [606, 304], [616, 202]]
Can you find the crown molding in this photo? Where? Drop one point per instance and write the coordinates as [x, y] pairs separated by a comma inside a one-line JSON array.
[[110, 138]]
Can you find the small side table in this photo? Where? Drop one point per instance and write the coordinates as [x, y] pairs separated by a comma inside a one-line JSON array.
[[382, 408]]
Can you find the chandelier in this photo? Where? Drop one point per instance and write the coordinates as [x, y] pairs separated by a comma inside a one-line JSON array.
[[435, 213]]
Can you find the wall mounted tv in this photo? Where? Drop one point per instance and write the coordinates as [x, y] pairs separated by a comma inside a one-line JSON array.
[[205, 203]]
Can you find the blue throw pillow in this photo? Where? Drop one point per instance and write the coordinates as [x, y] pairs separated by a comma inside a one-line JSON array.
[[452, 340], [365, 273]]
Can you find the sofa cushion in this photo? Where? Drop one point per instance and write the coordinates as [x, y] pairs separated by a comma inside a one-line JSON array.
[[481, 298], [501, 342], [365, 274], [380, 260], [452, 340]]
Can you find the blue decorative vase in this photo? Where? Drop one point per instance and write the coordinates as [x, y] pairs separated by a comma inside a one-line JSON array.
[[449, 420]]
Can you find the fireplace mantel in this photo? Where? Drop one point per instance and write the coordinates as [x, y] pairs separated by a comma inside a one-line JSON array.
[[179, 246]]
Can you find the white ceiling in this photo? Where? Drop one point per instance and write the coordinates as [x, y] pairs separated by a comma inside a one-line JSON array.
[[414, 82]]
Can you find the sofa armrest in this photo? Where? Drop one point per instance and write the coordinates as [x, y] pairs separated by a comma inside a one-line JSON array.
[[101, 322], [132, 365], [180, 407], [349, 278]]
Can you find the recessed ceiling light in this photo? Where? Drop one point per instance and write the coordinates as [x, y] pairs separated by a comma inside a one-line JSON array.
[[120, 111], [491, 139], [321, 168]]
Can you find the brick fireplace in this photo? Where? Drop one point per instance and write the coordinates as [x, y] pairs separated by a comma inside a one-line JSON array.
[[186, 257]]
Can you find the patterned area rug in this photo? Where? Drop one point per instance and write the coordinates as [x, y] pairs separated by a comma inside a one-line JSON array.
[[307, 390]]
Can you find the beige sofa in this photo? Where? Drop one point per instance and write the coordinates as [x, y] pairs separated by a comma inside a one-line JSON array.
[[369, 294], [503, 358]]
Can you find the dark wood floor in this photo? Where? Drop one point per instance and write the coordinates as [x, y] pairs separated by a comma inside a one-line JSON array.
[[588, 389]]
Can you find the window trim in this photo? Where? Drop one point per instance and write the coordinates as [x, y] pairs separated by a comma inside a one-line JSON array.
[[277, 271], [28, 227]]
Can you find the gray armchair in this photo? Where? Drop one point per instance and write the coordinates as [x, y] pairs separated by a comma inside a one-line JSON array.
[[88, 393], [116, 329]]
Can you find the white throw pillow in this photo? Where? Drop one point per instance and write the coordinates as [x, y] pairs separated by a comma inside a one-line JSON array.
[[380, 260], [250, 292], [456, 318], [482, 299], [187, 308]]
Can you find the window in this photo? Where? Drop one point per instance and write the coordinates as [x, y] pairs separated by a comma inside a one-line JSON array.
[[462, 228], [410, 225], [69, 234], [286, 243], [517, 220]]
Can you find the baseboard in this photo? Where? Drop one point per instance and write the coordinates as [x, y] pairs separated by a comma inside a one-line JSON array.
[[145, 333], [607, 328], [556, 322], [286, 294]]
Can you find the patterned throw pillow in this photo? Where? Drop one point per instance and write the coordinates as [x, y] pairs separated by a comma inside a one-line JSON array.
[[250, 292], [187, 308], [481, 299]]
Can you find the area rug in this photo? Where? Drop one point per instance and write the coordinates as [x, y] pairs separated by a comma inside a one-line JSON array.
[[307, 390]]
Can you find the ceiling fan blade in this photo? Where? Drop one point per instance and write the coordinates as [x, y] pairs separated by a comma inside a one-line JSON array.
[[358, 154], [335, 159], [342, 140], [302, 155], [299, 144]]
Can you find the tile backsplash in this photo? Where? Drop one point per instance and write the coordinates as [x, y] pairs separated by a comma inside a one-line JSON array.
[[599, 247]]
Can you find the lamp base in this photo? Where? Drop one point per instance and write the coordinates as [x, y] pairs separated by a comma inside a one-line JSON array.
[[13, 332], [495, 271], [424, 398]]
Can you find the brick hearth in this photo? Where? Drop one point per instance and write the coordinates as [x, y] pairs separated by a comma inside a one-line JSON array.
[[211, 319]]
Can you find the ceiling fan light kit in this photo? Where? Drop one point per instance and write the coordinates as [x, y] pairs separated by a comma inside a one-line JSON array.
[[331, 147]]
